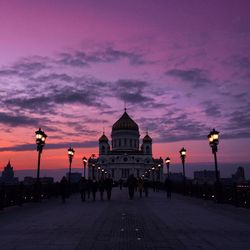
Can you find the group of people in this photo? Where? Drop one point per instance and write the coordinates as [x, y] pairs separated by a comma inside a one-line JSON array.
[[89, 187]]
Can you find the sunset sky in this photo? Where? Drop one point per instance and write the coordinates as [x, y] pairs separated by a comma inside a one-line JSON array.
[[182, 67]]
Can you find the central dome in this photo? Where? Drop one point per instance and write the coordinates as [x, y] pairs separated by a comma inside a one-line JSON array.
[[125, 123]]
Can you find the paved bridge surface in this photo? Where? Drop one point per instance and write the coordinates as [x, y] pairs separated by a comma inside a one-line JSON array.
[[142, 223]]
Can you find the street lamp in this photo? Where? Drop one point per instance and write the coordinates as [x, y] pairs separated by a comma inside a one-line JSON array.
[[213, 138], [167, 161], [71, 152], [40, 142], [99, 169], [183, 153], [84, 160]]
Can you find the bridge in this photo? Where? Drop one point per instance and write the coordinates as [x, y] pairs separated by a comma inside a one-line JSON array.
[[152, 222]]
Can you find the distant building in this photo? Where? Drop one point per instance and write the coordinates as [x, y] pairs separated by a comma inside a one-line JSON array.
[[205, 176], [74, 178], [125, 154], [175, 177], [239, 176], [8, 176], [28, 180]]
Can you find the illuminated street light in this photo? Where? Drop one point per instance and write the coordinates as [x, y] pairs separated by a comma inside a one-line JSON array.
[[84, 160], [183, 153], [167, 161], [40, 141], [213, 138], [71, 152]]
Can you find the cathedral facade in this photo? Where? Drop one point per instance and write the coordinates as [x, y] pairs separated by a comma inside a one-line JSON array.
[[125, 153]]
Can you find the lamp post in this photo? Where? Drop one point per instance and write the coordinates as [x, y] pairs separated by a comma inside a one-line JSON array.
[[158, 172], [71, 152], [183, 153], [84, 160], [167, 161], [153, 173], [213, 138], [40, 142], [99, 169]]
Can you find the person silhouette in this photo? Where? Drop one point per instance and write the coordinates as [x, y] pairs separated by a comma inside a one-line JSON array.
[[131, 186], [108, 186], [168, 187], [94, 188], [140, 186], [83, 188], [64, 188], [101, 186]]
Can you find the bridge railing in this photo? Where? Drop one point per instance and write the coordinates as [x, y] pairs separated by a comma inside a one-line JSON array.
[[18, 194], [236, 194]]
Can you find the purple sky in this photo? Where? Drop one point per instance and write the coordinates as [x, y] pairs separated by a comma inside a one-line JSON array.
[[183, 67]]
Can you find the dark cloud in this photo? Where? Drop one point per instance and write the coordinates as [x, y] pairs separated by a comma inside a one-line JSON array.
[[53, 77], [212, 109], [197, 77], [132, 91], [25, 67], [175, 127], [30, 147], [17, 120], [108, 55]]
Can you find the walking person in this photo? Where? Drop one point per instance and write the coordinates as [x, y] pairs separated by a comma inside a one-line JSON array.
[[2, 196], [146, 186], [94, 187], [88, 190], [131, 186], [101, 186], [120, 184], [168, 187], [64, 188], [140, 186], [83, 188], [108, 186]]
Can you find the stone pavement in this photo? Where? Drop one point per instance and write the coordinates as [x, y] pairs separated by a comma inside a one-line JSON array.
[[146, 223]]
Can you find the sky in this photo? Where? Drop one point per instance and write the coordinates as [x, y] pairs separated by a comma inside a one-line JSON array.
[[181, 67]]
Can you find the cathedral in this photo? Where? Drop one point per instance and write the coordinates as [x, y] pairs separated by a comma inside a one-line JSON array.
[[125, 154]]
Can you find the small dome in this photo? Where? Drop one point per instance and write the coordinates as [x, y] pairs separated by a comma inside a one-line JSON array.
[[125, 123], [103, 138], [147, 138]]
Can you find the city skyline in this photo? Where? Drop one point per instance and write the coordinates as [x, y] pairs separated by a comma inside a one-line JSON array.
[[182, 69]]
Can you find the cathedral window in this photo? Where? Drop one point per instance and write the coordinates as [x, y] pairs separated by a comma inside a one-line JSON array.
[[103, 150], [120, 142], [130, 143], [147, 150], [125, 142]]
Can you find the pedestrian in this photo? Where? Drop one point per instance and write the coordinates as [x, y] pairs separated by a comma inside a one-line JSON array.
[[94, 187], [20, 194], [131, 186], [2, 196], [146, 185], [101, 186], [83, 188], [140, 186], [120, 184], [64, 188], [89, 184], [108, 186], [168, 187]]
